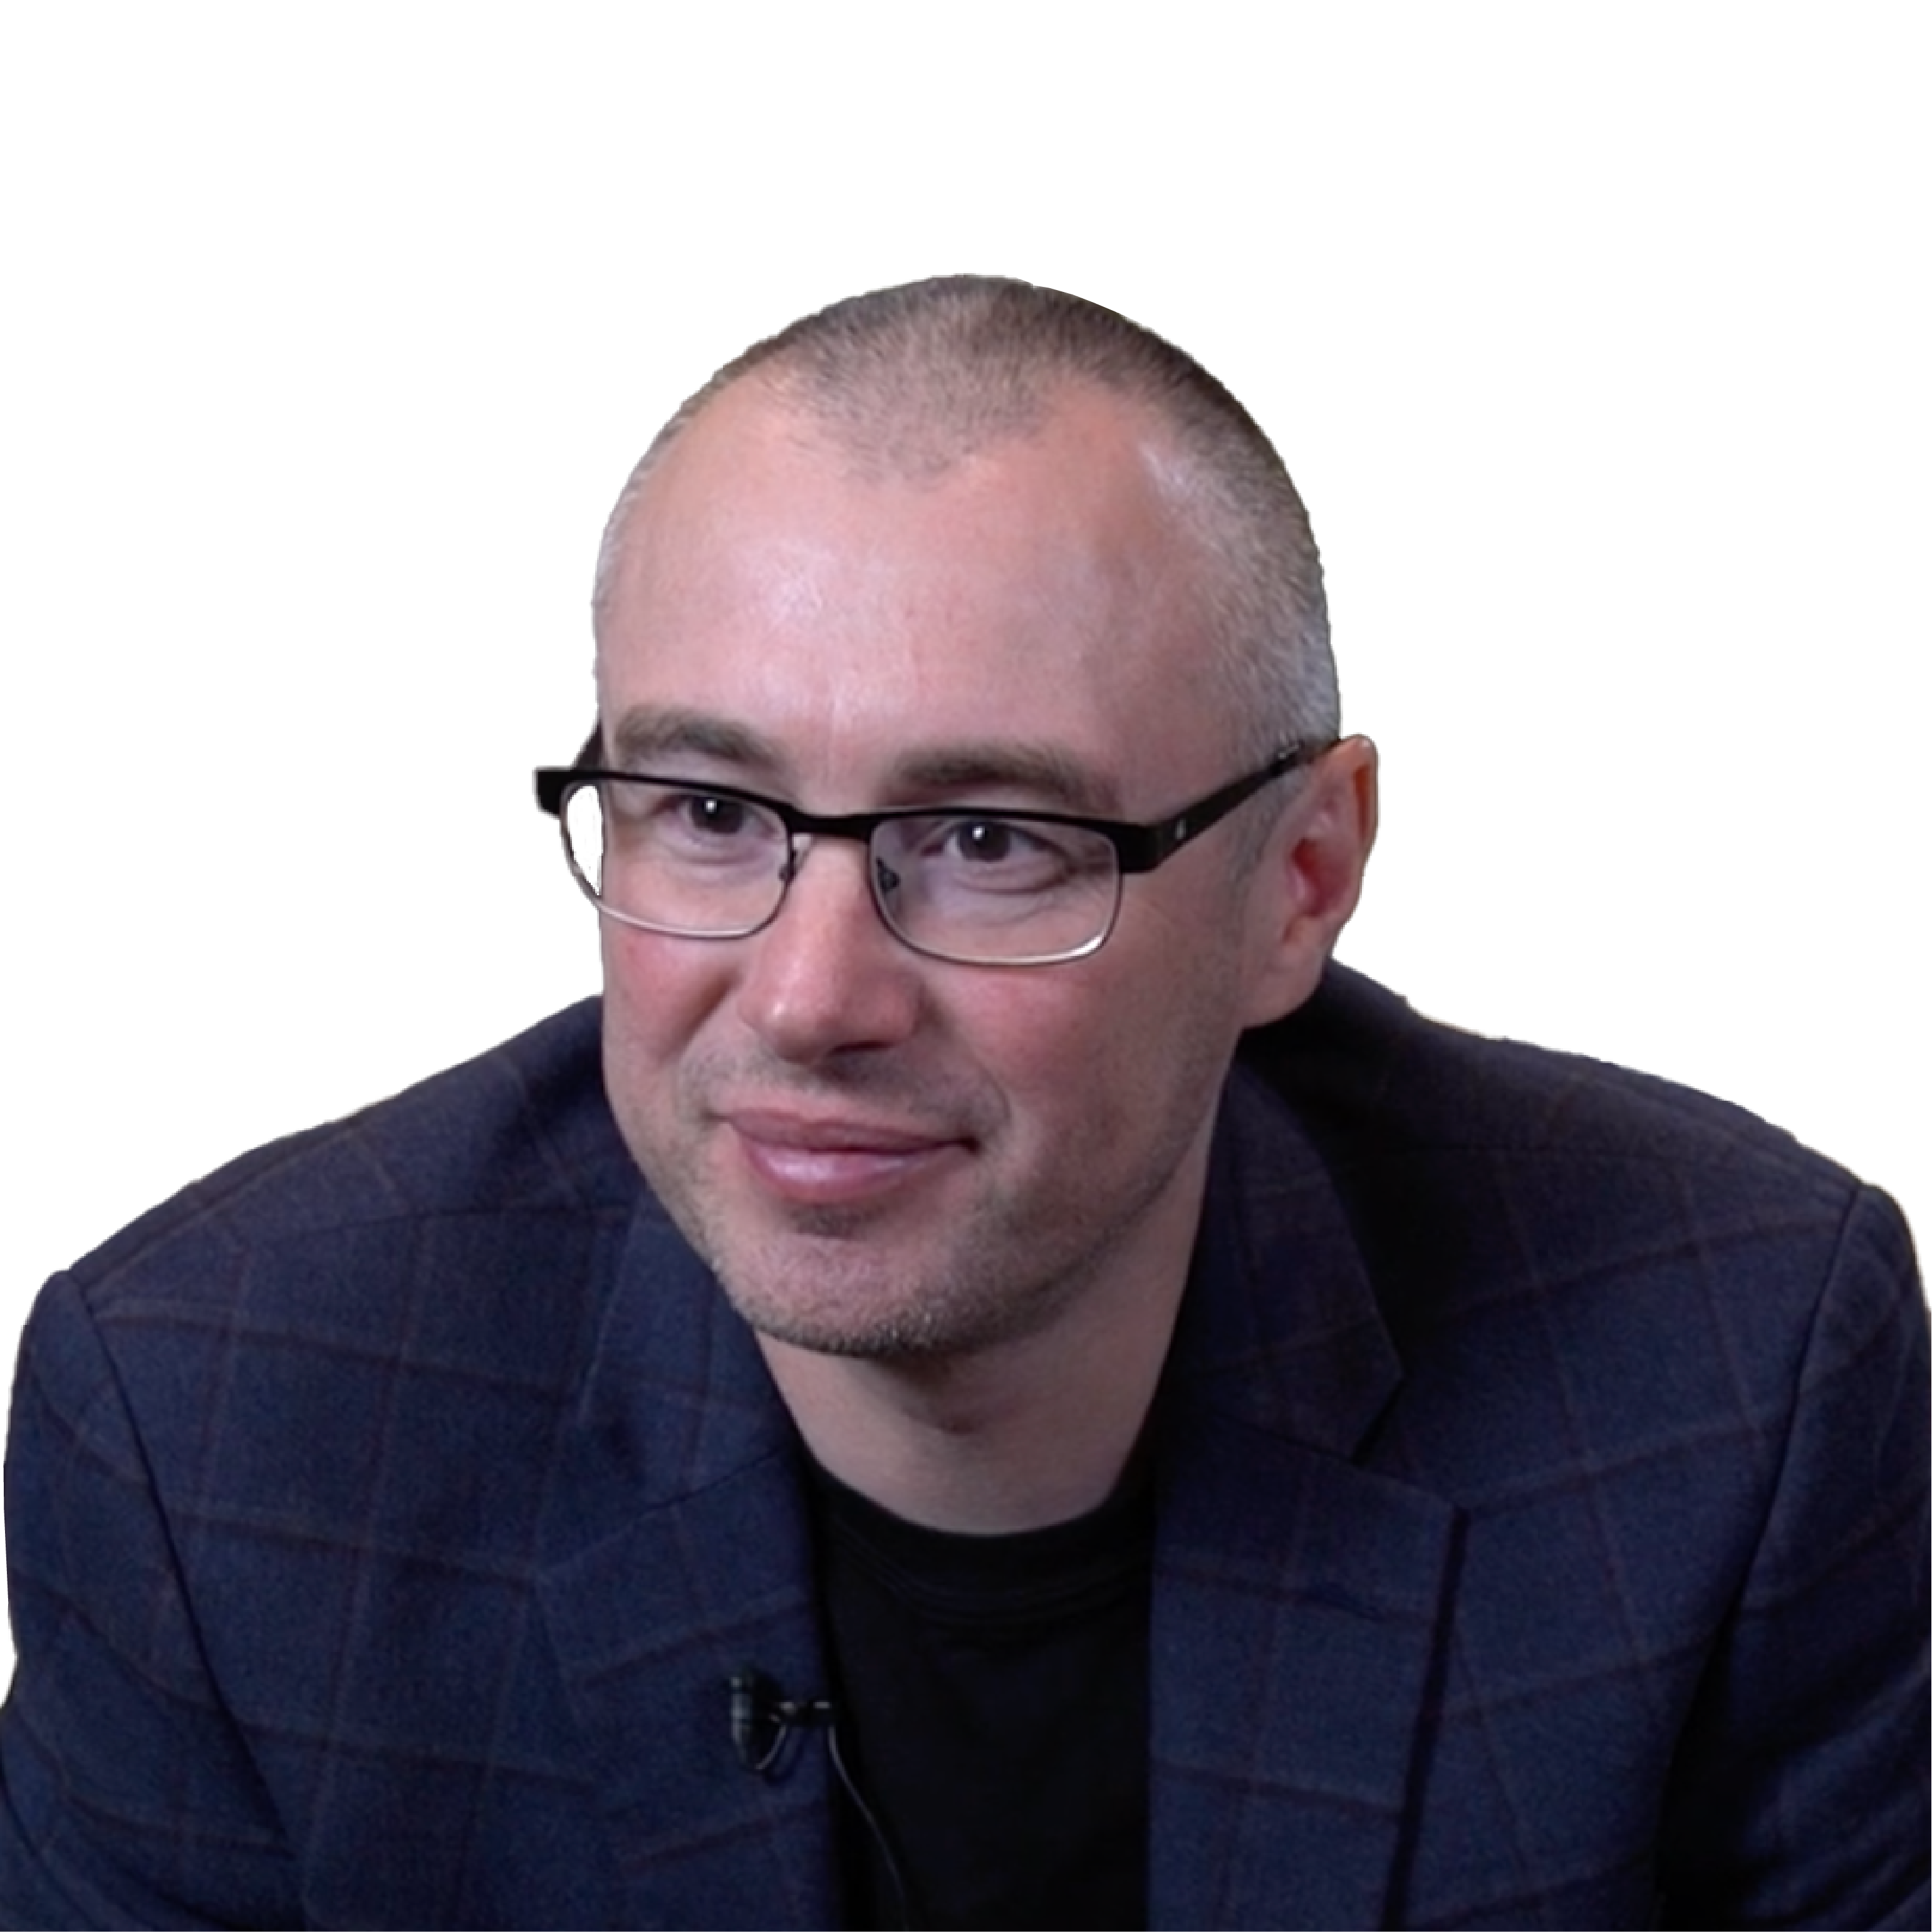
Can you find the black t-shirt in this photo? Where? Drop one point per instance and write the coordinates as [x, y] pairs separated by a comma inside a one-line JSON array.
[[992, 1702]]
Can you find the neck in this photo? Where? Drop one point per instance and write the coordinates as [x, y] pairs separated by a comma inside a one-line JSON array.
[[1017, 1436]]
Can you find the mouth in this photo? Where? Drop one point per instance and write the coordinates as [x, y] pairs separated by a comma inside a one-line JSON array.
[[811, 1161]]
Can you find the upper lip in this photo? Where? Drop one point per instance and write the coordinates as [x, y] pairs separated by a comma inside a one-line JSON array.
[[830, 1133]]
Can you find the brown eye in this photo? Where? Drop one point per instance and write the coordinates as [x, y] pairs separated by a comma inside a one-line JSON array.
[[721, 817]]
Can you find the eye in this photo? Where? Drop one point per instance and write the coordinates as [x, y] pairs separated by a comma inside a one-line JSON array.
[[678, 825], [663, 810], [986, 841], [1000, 855], [706, 814]]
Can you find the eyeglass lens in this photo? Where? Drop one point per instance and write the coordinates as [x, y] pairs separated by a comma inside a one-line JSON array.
[[994, 888]]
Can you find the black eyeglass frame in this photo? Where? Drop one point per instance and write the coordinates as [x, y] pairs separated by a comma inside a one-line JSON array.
[[1137, 848]]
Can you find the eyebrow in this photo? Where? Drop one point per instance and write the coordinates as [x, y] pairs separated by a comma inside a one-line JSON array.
[[1045, 772], [647, 733]]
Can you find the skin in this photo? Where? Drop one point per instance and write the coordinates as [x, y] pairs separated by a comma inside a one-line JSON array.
[[956, 1203]]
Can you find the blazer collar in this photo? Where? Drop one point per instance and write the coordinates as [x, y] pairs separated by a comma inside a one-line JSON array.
[[679, 1553], [1280, 1328], [1298, 1598]]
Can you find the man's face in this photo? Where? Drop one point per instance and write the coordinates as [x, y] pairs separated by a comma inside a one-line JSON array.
[[877, 1153]]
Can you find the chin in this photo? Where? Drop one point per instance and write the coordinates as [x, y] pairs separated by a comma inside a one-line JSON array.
[[879, 1321]]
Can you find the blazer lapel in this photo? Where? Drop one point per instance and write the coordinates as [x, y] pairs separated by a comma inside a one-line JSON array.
[[679, 1554], [1298, 1599]]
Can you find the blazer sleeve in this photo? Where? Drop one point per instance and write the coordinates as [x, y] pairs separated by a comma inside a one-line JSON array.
[[127, 1795], [1800, 1795]]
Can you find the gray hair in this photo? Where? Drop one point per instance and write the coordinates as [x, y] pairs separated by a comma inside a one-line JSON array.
[[912, 379]]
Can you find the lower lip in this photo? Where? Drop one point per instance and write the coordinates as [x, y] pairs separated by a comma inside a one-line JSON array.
[[837, 1177]]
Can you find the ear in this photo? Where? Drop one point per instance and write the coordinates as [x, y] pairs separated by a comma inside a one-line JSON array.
[[1309, 879]]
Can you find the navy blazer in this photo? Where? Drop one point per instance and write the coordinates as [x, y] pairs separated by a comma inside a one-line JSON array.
[[1540, 1472]]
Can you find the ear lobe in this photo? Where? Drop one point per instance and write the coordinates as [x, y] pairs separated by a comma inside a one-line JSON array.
[[1308, 883]]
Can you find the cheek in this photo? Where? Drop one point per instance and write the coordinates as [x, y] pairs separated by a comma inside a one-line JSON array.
[[1108, 1060], [657, 994], [1173, 1021], [658, 983]]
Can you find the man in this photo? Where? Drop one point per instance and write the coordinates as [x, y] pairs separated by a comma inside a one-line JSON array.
[[1022, 1395]]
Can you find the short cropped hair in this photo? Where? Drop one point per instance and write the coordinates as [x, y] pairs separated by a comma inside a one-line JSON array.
[[911, 380]]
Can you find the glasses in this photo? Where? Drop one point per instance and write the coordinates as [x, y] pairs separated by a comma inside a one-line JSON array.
[[981, 888]]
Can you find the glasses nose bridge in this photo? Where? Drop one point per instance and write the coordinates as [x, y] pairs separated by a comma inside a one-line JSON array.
[[803, 834]]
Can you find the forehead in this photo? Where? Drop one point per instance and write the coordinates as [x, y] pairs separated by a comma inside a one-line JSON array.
[[1044, 587]]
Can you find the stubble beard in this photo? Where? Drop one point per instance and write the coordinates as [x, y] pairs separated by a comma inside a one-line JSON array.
[[828, 1283], [833, 1281], [902, 1281], [915, 1284]]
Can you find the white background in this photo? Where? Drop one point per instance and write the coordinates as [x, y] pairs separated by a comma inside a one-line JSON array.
[[1596, 337]]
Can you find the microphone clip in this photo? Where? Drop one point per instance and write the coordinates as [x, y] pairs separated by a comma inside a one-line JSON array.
[[762, 1719]]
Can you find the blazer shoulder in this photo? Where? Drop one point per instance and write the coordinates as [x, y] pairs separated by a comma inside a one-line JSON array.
[[1469, 1169], [1371, 1077], [523, 1129]]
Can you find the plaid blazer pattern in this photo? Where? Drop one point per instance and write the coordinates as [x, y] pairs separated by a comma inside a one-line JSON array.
[[1541, 1473]]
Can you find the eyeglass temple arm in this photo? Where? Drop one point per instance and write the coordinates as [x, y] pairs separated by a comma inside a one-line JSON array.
[[1142, 847], [552, 779]]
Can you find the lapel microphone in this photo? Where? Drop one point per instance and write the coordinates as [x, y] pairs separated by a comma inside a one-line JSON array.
[[763, 1717]]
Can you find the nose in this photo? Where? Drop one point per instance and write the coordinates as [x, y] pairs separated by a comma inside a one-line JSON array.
[[826, 976]]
